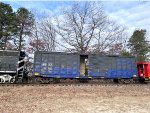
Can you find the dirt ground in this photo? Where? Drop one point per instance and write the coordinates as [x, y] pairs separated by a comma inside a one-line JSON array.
[[75, 99]]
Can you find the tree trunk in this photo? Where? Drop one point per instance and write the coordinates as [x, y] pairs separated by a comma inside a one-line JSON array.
[[20, 39], [5, 44]]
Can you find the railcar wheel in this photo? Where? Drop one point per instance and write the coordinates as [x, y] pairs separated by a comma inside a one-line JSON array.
[[56, 80], [18, 81], [45, 80], [83, 80], [12, 80], [25, 80], [51, 80], [1, 81], [125, 81], [31, 79], [142, 80], [38, 80], [116, 81]]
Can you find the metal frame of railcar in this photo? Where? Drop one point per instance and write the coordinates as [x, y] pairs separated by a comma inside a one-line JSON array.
[[79, 77]]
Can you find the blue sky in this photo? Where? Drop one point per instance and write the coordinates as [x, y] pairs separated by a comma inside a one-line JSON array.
[[132, 14]]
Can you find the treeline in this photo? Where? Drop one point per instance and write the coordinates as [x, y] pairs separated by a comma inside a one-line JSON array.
[[82, 28], [14, 26]]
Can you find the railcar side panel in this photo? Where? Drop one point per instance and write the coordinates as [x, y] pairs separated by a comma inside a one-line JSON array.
[[8, 61], [111, 67], [57, 65]]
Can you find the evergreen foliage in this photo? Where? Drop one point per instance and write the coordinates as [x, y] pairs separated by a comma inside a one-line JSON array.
[[25, 22], [138, 45], [7, 24], [14, 26]]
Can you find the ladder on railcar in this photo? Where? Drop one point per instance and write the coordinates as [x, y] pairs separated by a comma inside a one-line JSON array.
[[20, 67]]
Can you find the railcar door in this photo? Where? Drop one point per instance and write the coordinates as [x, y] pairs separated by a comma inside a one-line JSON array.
[[83, 65]]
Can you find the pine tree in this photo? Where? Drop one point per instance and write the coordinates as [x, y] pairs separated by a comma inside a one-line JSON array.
[[7, 24], [25, 22], [138, 45]]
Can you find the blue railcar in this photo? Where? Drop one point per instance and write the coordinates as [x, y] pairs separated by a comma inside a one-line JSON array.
[[56, 65], [73, 65], [112, 67]]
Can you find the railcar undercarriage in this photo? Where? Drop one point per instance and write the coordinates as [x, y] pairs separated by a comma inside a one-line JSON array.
[[6, 78]]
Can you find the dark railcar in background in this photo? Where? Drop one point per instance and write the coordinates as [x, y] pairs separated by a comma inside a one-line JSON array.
[[12, 66], [72, 65], [8, 62]]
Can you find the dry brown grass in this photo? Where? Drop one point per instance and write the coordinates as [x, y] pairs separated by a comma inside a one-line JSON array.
[[75, 99]]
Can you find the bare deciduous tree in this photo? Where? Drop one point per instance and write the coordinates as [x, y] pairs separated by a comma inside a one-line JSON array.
[[85, 27], [108, 34], [116, 49], [36, 43], [47, 32]]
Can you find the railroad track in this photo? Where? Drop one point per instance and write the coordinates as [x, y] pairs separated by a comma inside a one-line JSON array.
[[76, 84]]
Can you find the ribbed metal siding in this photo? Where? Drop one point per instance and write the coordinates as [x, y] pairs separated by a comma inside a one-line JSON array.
[[56, 64], [112, 67], [98, 65], [8, 61]]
